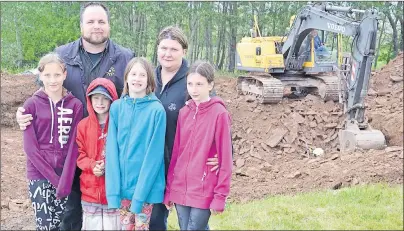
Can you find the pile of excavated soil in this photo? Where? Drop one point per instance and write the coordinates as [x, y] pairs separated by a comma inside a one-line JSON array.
[[15, 89], [273, 144], [385, 101]]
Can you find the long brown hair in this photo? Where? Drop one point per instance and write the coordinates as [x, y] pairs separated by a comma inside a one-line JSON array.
[[151, 84], [203, 68]]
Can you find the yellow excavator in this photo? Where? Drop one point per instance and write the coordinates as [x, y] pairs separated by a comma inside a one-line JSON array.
[[294, 61]]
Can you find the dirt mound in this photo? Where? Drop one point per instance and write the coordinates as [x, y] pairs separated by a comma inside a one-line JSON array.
[[292, 126], [273, 143], [15, 89], [385, 101], [273, 146]]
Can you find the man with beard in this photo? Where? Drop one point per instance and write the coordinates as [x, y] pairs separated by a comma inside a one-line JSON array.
[[93, 55]]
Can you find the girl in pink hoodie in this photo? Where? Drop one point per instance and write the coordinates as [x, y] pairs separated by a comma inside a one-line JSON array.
[[203, 129]]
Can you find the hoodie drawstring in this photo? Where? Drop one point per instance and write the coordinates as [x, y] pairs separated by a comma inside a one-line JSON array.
[[53, 120]]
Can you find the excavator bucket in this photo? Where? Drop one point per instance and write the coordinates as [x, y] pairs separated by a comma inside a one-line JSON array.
[[352, 138]]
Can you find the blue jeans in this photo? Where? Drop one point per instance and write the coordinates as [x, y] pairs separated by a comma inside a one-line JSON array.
[[190, 218]]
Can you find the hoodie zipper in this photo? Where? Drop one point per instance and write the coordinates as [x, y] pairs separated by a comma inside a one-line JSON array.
[[196, 111], [189, 156], [54, 113], [203, 179], [204, 175], [126, 151], [99, 178]]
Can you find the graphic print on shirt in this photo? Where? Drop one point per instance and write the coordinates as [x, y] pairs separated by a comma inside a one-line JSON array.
[[64, 124], [172, 107]]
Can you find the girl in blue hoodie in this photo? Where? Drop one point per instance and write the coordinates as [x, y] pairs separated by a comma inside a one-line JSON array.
[[49, 143], [134, 165]]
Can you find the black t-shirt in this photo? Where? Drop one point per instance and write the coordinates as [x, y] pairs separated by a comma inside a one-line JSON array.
[[94, 57]]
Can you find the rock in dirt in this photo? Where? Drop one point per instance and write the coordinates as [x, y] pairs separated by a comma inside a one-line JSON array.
[[264, 146], [313, 124], [393, 149], [5, 203], [296, 174], [240, 163], [250, 98], [383, 92], [252, 172], [318, 152], [276, 137], [337, 186], [372, 92], [296, 117], [331, 125], [18, 205], [334, 157], [396, 78], [313, 161]]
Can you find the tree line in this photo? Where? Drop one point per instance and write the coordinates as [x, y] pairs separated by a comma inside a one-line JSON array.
[[31, 29]]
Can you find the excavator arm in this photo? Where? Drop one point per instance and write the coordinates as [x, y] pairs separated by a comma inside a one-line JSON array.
[[357, 132]]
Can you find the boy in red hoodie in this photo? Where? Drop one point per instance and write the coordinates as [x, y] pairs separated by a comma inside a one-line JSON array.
[[203, 129], [91, 139]]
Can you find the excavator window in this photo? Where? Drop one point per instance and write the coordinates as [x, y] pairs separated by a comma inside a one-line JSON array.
[[258, 51]]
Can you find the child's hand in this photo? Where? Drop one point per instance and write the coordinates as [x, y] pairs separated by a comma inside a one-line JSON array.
[[215, 212], [99, 168], [102, 165], [169, 206], [214, 161]]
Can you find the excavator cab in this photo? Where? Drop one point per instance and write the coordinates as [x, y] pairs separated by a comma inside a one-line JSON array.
[[322, 49]]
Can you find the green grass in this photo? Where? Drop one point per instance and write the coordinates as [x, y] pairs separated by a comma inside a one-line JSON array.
[[377, 207]]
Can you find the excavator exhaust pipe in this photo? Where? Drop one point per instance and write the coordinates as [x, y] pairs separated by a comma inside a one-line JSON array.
[[352, 138]]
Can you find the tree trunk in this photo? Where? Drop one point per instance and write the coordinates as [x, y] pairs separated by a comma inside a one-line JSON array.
[[389, 53], [400, 17], [145, 37], [402, 34], [223, 33], [207, 40], [221, 41], [233, 34], [193, 26], [274, 20], [20, 56], [380, 41], [154, 59], [195, 41], [393, 24], [210, 45]]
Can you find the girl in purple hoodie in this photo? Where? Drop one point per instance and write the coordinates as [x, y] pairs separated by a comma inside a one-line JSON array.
[[49, 143]]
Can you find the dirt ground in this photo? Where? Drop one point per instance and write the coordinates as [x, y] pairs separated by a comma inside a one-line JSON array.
[[272, 143]]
